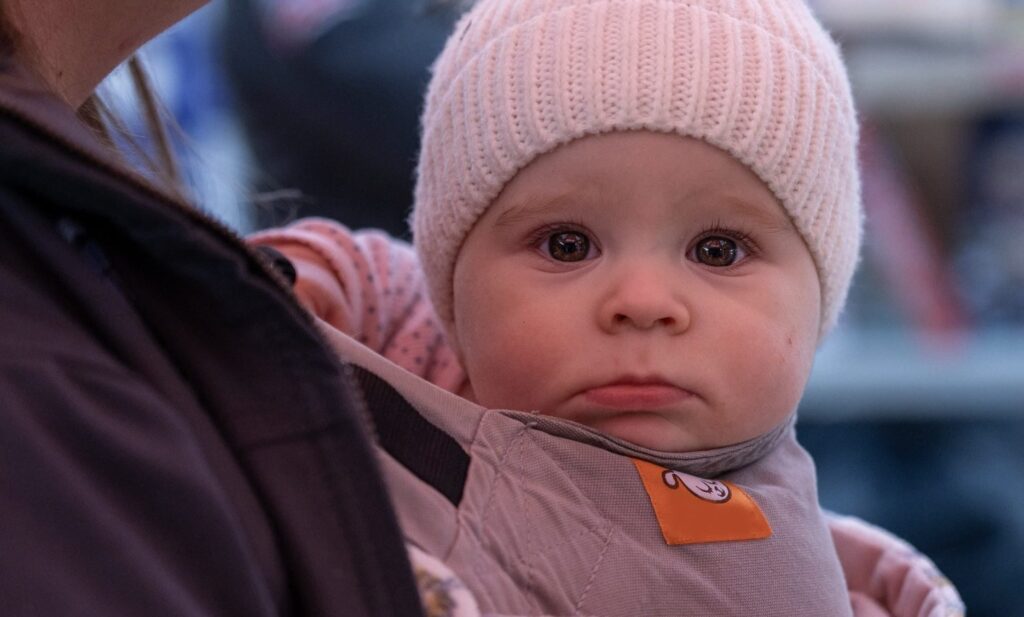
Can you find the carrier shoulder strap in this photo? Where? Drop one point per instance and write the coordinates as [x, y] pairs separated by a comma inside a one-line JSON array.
[[431, 454]]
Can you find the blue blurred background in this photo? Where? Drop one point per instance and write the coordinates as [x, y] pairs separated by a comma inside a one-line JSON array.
[[915, 412]]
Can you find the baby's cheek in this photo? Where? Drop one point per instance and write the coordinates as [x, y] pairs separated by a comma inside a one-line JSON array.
[[505, 370], [777, 371]]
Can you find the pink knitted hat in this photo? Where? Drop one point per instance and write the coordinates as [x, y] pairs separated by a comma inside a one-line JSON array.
[[759, 79]]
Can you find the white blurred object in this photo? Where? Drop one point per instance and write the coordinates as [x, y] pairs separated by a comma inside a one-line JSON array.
[[862, 373], [946, 20]]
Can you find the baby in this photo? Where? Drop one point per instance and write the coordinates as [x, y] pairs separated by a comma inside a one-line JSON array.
[[634, 222]]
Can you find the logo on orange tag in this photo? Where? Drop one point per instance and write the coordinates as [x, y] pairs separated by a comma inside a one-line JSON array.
[[693, 510]]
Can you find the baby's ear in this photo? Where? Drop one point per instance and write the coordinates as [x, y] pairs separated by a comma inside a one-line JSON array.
[[466, 389], [452, 338], [459, 354]]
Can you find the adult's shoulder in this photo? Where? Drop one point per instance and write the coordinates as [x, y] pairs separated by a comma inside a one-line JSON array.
[[155, 331], [113, 501], [153, 364]]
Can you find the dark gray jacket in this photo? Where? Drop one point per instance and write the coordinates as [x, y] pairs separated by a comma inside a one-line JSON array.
[[174, 437]]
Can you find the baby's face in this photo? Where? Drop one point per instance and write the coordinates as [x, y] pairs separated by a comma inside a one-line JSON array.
[[647, 285]]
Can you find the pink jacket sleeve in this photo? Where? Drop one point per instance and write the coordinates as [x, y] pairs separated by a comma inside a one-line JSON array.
[[886, 576], [369, 286]]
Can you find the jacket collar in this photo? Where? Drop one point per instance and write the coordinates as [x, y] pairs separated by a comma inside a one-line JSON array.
[[27, 97]]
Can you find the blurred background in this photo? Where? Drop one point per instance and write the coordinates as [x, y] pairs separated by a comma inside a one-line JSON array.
[[915, 412]]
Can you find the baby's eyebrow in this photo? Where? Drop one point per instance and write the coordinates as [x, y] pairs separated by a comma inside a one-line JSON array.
[[527, 210], [768, 216], [771, 218]]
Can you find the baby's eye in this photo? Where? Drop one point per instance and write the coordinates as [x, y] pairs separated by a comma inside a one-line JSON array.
[[718, 251], [568, 246]]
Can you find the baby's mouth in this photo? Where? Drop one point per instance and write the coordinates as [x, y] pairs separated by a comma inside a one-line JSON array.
[[636, 395]]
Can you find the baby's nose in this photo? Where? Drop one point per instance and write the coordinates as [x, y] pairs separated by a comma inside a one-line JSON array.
[[645, 303], [643, 321]]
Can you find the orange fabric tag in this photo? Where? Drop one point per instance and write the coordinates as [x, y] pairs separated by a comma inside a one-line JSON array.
[[691, 510]]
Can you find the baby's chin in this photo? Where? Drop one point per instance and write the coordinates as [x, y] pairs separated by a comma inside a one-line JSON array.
[[646, 429], [653, 431]]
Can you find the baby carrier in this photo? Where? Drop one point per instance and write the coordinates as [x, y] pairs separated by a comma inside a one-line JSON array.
[[543, 516]]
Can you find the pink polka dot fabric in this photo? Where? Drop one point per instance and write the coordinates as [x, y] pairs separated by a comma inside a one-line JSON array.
[[369, 286]]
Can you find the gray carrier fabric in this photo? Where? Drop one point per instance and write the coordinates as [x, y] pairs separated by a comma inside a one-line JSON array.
[[554, 520]]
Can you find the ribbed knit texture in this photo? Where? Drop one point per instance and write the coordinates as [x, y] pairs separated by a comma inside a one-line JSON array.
[[759, 79]]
